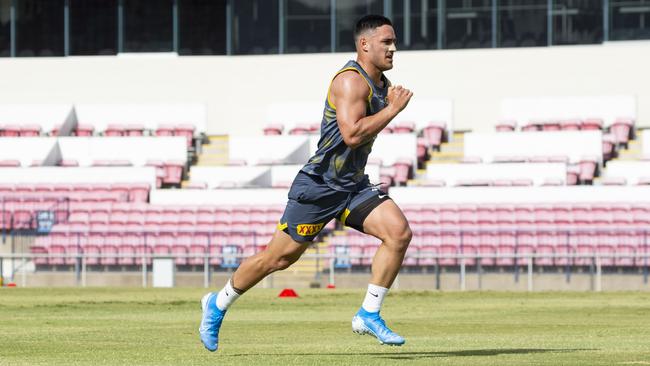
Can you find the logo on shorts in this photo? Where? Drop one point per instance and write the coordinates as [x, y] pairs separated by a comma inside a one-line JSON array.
[[309, 229]]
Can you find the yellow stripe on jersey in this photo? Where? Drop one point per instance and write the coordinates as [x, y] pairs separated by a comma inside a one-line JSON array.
[[329, 102]]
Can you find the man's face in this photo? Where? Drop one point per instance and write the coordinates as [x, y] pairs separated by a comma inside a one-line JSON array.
[[380, 46]]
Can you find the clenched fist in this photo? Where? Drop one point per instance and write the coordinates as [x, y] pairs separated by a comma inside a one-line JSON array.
[[398, 97]]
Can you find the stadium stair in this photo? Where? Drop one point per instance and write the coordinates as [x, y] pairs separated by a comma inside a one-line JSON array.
[[633, 151], [450, 152], [215, 152]]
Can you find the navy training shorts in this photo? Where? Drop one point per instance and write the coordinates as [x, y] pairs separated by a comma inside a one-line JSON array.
[[312, 204]]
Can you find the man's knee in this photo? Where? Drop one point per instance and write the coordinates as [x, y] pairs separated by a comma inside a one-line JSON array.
[[400, 237], [278, 263]]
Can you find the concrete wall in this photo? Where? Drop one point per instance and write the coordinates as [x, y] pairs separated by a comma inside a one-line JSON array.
[[238, 89]]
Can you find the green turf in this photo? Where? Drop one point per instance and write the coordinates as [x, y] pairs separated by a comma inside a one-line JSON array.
[[159, 327]]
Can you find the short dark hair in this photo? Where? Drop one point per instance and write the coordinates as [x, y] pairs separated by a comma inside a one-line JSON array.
[[369, 22]]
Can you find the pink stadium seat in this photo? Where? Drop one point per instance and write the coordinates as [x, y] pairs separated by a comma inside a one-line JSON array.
[[592, 124], [531, 126], [30, 130], [134, 130], [625, 255], [9, 163], [487, 254], [609, 141], [173, 172], [506, 126], [185, 130], [543, 250], [198, 252], [115, 130], [215, 255], [10, 131], [428, 255], [404, 127], [505, 252], [160, 170], [572, 173], [139, 192], [91, 253], [165, 130], [411, 256], [449, 251], [68, 163], [108, 252], [38, 249], [563, 253], [551, 126], [588, 168], [273, 129], [179, 250], [584, 254], [523, 253], [607, 255], [127, 251], [58, 251], [622, 129], [84, 130], [570, 125], [300, 129], [421, 151], [143, 250], [434, 134], [642, 258]]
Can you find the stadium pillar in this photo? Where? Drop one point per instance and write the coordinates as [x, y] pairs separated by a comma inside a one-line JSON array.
[[605, 20], [23, 272], [144, 269], [549, 22], [530, 272], [12, 28], [599, 274], [462, 273], [332, 25], [66, 28], [495, 24], [331, 276], [83, 270]]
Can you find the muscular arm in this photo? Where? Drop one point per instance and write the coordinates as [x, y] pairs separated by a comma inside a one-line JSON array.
[[349, 94]]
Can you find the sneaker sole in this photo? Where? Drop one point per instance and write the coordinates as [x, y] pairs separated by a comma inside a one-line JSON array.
[[358, 327]]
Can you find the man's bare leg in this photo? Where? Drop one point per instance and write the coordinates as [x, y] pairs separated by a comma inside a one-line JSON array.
[[280, 253], [387, 223]]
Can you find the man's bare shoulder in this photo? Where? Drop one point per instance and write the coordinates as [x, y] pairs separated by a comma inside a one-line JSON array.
[[351, 85]]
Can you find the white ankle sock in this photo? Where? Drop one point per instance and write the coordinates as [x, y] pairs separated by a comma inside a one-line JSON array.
[[227, 296], [374, 298]]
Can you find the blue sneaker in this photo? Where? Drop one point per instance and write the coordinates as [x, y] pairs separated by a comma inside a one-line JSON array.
[[371, 323], [210, 322]]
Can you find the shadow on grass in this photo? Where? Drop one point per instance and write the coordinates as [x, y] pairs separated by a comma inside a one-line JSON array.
[[419, 355]]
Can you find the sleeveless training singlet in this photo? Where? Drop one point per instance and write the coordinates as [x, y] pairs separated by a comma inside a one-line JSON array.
[[342, 167]]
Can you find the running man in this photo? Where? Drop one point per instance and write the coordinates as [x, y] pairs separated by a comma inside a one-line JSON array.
[[360, 103]]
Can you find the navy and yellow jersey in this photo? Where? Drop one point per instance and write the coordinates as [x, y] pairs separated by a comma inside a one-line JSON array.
[[342, 167]]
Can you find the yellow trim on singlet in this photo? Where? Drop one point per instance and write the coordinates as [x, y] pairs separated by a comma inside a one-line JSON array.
[[329, 102], [282, 226], [344, 216]]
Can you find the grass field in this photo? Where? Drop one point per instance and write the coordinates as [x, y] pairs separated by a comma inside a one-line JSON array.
[[159, 327]]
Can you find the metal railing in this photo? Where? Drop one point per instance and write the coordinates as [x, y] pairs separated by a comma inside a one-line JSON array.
[[596, 267]]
